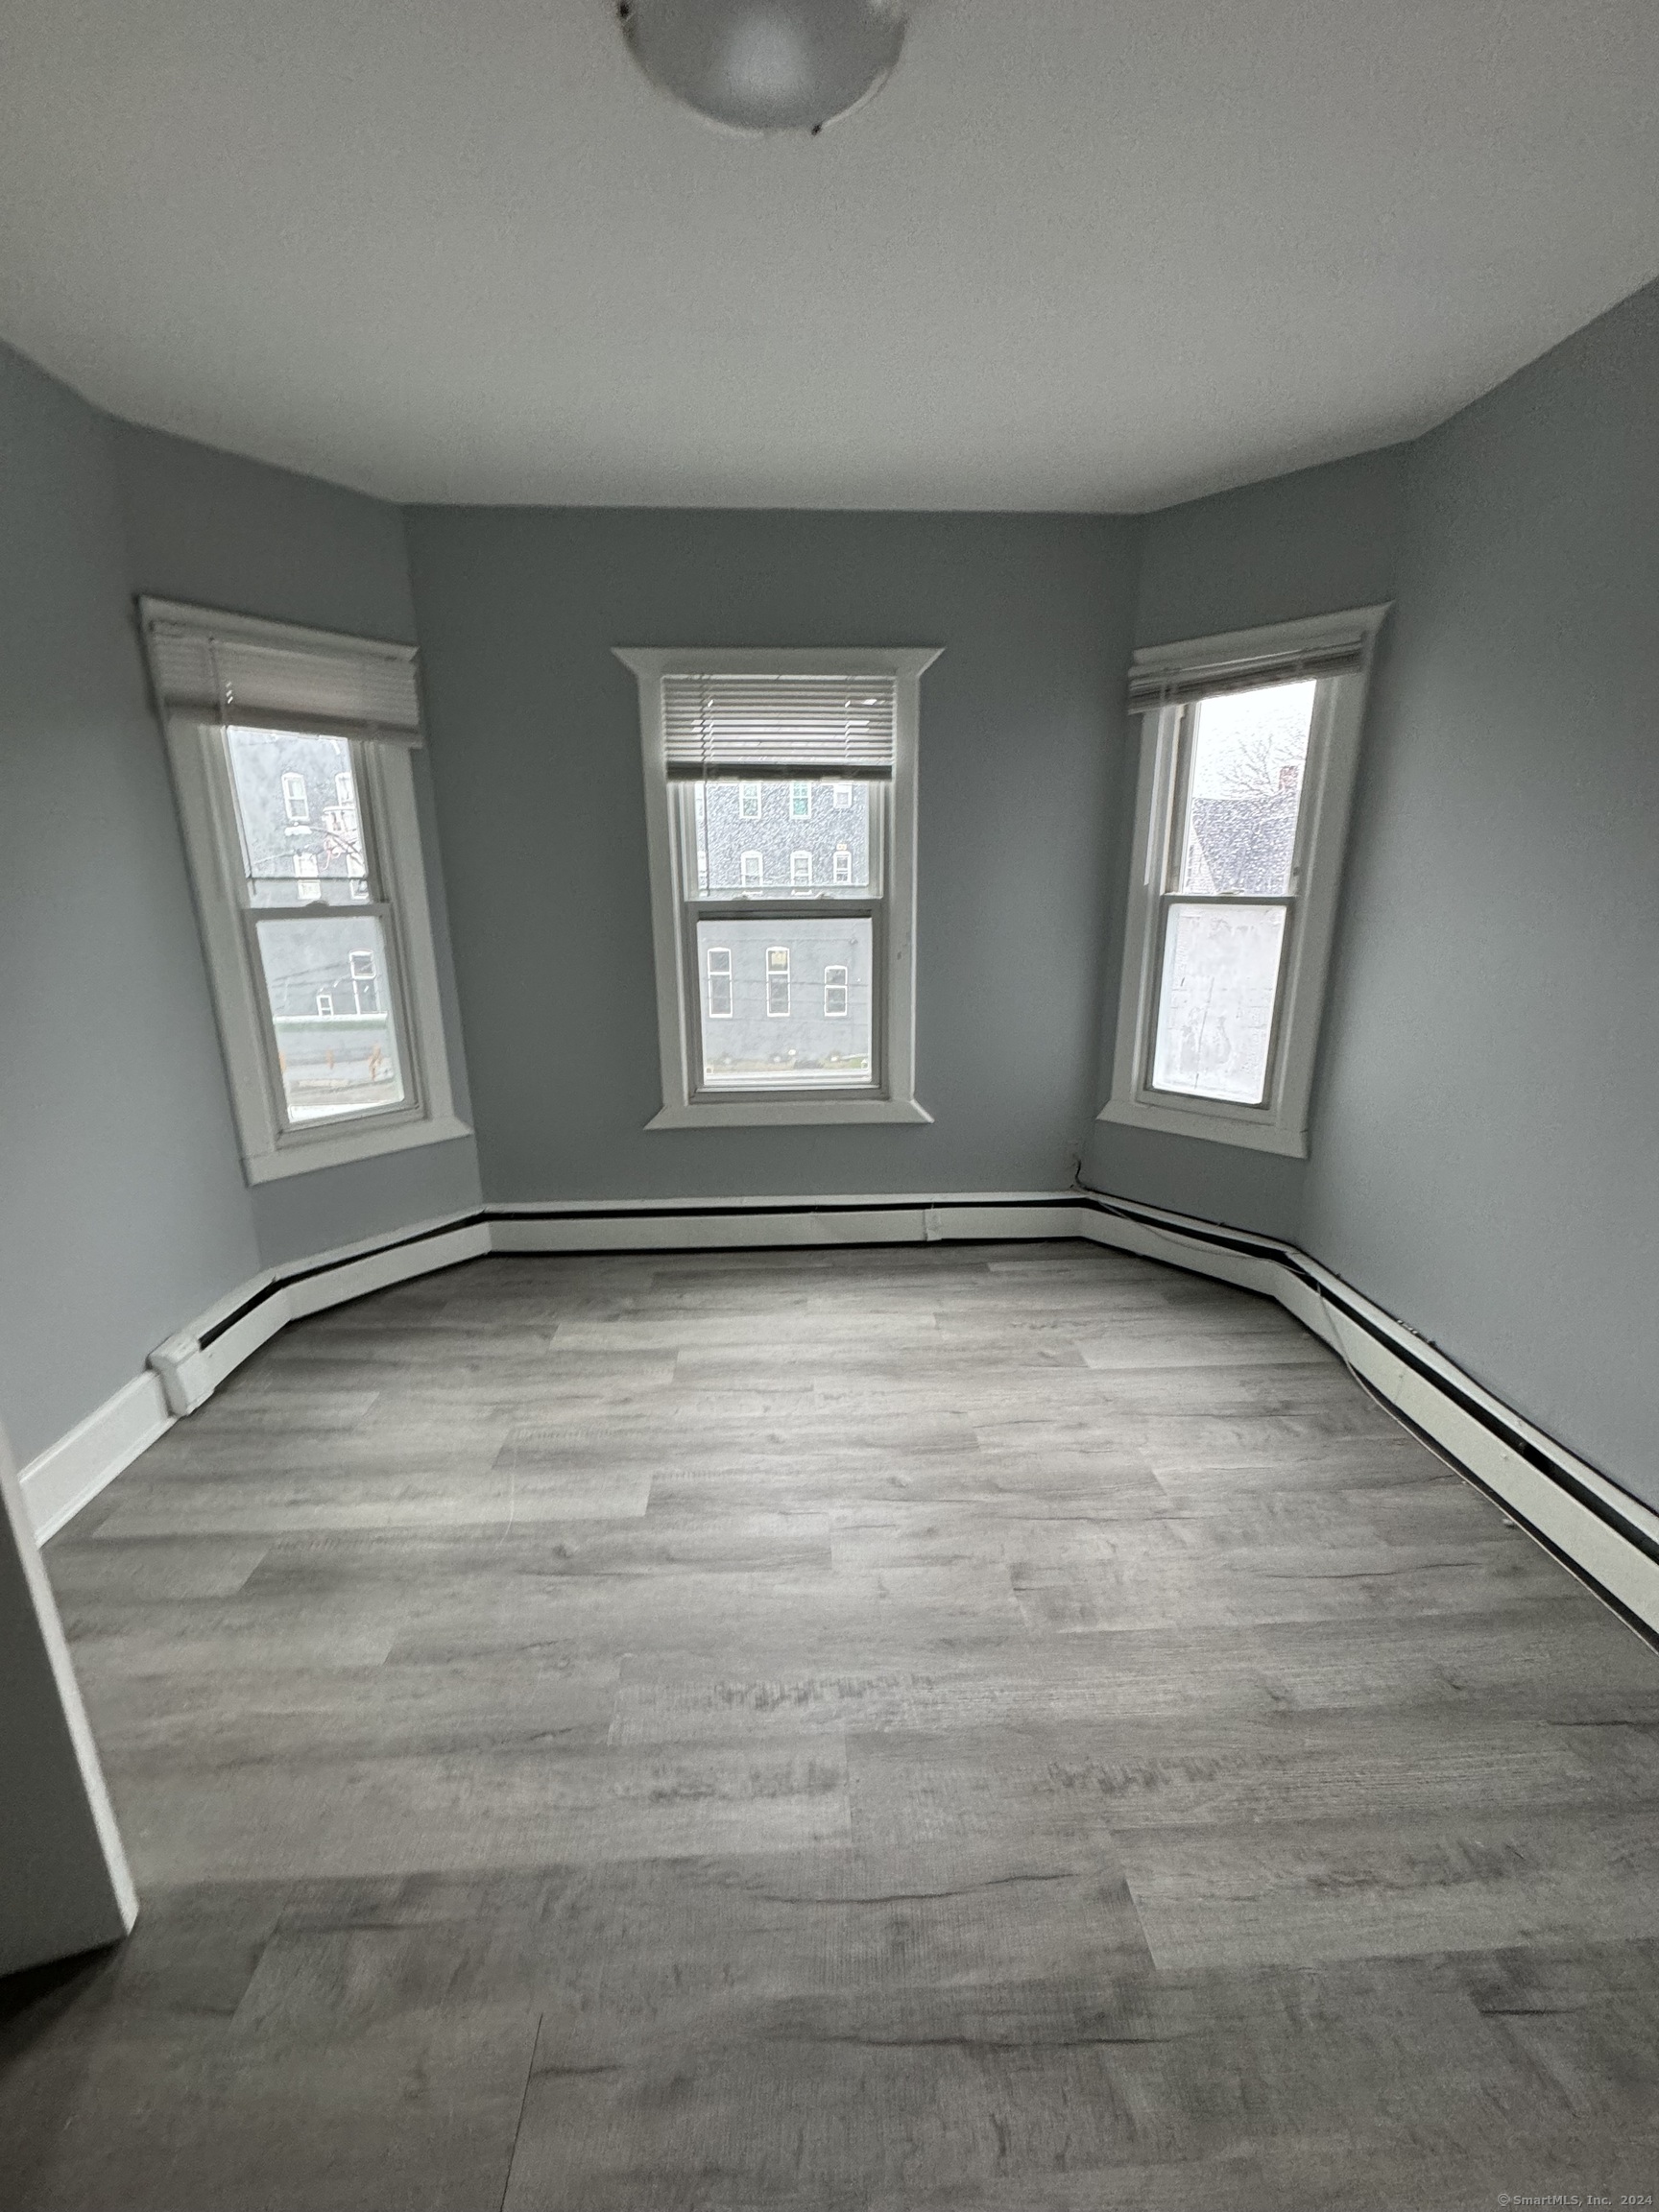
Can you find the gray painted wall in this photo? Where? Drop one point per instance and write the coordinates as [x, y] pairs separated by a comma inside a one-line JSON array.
[[1487, 1158], [123, 1209], [221, 531], [1311, 543], [1486, 1136], [122, 1205], [534, 749]]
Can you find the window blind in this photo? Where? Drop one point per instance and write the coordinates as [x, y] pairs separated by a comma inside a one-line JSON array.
[[807, 726], [1150, 688], [229, 669]]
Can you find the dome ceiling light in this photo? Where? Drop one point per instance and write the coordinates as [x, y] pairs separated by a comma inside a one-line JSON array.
[[767, 64]]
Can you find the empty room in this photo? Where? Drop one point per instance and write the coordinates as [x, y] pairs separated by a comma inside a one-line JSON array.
[[829, 1106]]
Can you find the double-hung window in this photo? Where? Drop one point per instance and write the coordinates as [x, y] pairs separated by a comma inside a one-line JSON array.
[[1248, 747], [781, 801], [291, 755]]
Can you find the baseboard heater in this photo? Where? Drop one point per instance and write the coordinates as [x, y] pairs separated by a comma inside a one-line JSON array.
[[1606, 1537]]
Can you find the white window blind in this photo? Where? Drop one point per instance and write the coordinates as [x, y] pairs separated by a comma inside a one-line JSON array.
[[232, 670], [808, 728], [1151, 688]]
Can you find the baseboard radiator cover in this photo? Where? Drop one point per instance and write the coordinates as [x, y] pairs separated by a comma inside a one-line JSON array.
[[1609, 1538], [1606, 1537]]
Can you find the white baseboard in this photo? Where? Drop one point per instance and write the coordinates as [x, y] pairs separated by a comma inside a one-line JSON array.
[[1597, 1528], [680, 1231], [193, 1363], [739, 1224], [70, 1474], [1605, 1534]]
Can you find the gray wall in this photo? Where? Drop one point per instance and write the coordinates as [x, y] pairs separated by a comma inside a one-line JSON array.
[[1485, 1134], [221, 531], [1311, 543], [122, 1205], [1487, 1158], [535, 746]]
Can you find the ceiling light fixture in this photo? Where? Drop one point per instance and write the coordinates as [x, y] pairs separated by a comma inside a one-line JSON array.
[[767, 64]]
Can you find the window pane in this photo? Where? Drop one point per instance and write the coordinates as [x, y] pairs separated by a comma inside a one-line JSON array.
[[331, 1007], [1244, 792], [296, 809], [789, 1027], [781, 836], [1215, 1002], [777, 982]]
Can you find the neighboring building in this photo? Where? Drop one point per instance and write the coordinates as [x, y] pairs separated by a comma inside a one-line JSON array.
[[782, 837], [326, 976], [786, 1000]]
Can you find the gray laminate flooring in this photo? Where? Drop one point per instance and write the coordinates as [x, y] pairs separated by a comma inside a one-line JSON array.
[[915, 1730]]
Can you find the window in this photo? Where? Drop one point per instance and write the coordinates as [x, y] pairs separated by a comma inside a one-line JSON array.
[[777, 982], [790, 899], [719, 982], [316, 932], [1248, 747]]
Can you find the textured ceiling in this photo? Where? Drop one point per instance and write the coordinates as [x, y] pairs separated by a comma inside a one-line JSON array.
[[1079, 253]]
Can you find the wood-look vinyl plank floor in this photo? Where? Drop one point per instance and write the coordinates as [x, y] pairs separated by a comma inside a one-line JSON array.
[[922, 1729]]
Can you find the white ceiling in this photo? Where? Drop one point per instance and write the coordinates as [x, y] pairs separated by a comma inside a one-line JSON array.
[[1079, 253]]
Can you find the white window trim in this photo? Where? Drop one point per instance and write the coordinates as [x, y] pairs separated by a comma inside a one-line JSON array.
[[897, 1101], [1280, 1124], [206, 808]]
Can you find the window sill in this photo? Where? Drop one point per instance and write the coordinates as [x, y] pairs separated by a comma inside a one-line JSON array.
[[787, 1113], [1219, 1128], [339, 1150]]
